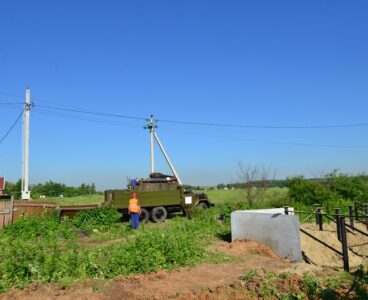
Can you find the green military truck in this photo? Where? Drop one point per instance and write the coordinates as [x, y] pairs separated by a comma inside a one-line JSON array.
[[158, 196]]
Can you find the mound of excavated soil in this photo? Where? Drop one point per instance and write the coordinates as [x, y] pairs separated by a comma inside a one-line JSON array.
[[244, 248], [322, 256]]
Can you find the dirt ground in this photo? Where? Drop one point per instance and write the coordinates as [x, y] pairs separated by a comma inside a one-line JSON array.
[[322, 256]]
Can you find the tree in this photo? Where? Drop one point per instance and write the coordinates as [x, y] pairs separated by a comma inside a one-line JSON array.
[[220, 186], [14, 188], [255, 181]]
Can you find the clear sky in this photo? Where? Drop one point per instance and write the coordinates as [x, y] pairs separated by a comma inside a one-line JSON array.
[[266, 63]]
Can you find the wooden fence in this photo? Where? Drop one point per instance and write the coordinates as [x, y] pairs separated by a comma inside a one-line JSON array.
[[6, 211]]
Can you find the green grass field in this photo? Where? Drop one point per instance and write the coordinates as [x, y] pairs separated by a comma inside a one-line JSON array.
[[78, 200], [272, 197]]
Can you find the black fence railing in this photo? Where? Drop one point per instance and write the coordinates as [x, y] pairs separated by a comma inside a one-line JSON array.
[[356, 214]]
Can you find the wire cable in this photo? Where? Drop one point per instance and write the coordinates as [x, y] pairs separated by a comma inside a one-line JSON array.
[[91, 112], [11, 103], [211, 124], [264, 126], [267, 141], [96, 120], [11, 127], [11, 95]]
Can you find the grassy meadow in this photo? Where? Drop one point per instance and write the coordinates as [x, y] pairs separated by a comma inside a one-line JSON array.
[[272, 197], [78, 200]]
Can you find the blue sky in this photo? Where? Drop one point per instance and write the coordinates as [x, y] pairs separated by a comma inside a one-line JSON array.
[[277, 63]]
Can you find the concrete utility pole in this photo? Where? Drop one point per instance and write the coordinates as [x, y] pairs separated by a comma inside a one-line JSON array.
[[151, 126], [167, 158], [26, 194], [153, 135]]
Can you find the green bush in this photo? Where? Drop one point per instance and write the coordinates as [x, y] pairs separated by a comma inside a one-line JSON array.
[[228, 207], [331, 191], [28, 228], [309, 192], [353, 188], [98, 218]]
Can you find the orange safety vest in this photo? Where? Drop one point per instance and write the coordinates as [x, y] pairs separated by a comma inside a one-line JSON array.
[[134, 206]]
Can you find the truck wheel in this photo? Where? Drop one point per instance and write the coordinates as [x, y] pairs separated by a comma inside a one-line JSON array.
[[202, 205], [144, 216], [159, 214]]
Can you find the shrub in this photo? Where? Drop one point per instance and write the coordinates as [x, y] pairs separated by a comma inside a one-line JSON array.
[[354, 188], [98, 218]]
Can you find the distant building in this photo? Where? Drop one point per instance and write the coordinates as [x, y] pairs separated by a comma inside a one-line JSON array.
[[2, 185]]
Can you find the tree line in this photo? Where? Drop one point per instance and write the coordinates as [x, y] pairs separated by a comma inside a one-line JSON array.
[[328, 190], [50, 189]]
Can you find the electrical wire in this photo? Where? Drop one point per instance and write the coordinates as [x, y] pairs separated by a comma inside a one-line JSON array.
[[210, 124], [11, 127], [246, 139], [9, 107], [52, 112], [205, 123], [11, 95], [82, 111], [53, 108], [11, 103], [96, 120], [264, 126]]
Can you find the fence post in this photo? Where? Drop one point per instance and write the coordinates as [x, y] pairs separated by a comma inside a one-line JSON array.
[[356, 210], [351, 217], [286, 209], [345, 254], [11, 208], [337, 218], [315, 210], [320, 221]]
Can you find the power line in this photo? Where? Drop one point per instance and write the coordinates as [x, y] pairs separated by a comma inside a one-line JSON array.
[[11, 127], [208, 124], [10, 107], [264, 126], [52, 111], [267, 141], [96, 120], [11, 95], [11, 103], [91, 112]]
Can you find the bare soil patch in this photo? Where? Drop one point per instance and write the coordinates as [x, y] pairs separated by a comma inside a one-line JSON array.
[[244, 248], [322, 256]]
